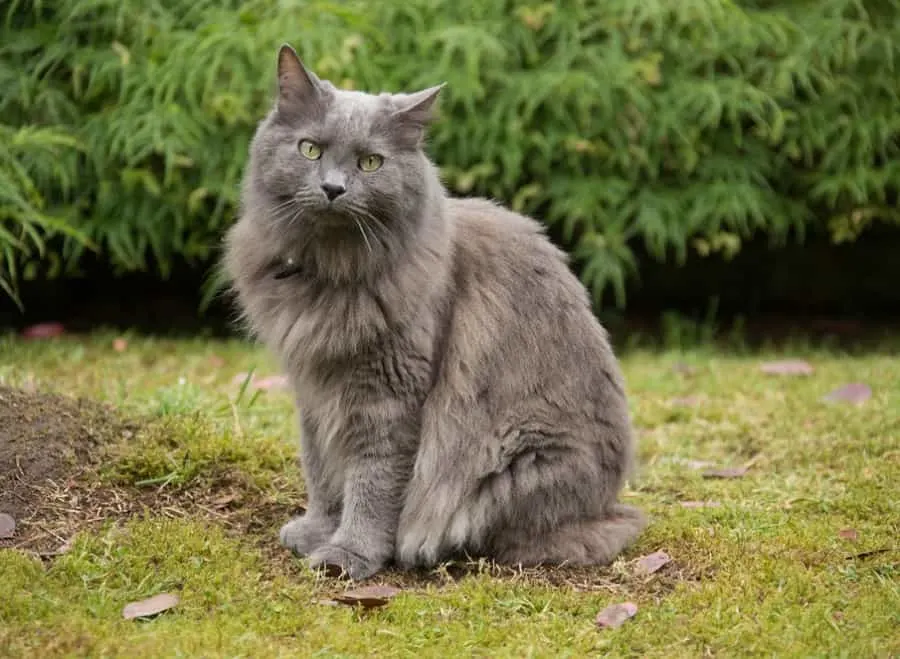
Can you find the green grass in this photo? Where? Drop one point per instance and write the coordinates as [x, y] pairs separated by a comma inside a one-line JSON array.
[[765, 573]]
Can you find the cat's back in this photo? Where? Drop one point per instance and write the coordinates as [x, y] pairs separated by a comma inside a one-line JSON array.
[[509, 254], [522, 322]]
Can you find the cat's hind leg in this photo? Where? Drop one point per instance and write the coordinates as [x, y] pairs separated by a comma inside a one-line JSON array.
[[554, 492]]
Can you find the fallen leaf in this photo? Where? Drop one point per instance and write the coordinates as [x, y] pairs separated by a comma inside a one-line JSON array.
[[787, 367], [271, 382], [700, 504], [615, 614], [43, 331], [368, 596], [848, 534], [653, 562], [725, 472], [855, 392], [7, 526], [120, 345], [217, 362], [150, 607]]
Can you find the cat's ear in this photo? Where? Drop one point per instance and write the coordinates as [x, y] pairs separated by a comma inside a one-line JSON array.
[[413, 112], [299, 90]]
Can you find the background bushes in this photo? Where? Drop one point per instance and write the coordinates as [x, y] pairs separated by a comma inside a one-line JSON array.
[[680, 127]]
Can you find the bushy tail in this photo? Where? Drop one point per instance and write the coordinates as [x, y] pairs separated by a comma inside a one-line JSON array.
[[588, 542]]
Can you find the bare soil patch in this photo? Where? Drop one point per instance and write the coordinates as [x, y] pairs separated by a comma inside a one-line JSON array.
[[51, 449], [46, 442]]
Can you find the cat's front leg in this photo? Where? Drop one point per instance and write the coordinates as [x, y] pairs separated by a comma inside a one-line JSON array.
[[315, 527], [365, 539]]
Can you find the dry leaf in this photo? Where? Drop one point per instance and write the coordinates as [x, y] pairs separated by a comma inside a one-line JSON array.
[[43, 331], [120, 345], [855, 392], [368, 596], [216, 362], [615, 614], [150, 607], [700, 504], [7, 526], [271, 382], [788, 367], [848, 534], [653, 562], [725, 472]]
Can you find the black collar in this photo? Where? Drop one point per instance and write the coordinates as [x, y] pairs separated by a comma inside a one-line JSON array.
[[287, 268]]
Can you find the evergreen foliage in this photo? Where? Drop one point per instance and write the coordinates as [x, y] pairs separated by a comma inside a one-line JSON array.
[[686, 125]]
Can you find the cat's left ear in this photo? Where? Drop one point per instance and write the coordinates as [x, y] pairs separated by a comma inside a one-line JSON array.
[[415, 111]]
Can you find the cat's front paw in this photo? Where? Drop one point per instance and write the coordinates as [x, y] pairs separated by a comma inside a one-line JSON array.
[[337, 561], [302, 535]]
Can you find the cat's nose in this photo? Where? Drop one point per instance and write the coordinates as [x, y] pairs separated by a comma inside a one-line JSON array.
[[333, 190]]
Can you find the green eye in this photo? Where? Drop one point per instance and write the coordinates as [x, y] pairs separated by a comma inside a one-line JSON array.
[[371, 162], [310, 150]]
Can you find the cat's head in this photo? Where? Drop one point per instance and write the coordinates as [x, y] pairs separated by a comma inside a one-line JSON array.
[[330, 160]]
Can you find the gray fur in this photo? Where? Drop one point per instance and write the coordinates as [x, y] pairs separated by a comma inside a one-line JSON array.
[[455, 391]]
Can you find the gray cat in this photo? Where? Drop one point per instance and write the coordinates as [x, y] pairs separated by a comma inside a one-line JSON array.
[[456, 394]]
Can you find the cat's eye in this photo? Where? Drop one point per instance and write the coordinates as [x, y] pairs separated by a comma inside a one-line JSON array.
[[371, 162], [310, 150]]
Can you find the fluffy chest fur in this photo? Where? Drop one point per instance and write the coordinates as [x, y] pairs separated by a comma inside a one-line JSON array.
[[358, 353]]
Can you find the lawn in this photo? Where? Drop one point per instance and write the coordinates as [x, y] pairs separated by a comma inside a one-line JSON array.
[[196, 471]]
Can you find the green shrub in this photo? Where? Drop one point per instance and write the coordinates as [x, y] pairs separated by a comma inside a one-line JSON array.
[[687, 126]]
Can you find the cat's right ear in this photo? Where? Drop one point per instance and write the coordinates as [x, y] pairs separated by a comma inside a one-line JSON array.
[[299, 91]]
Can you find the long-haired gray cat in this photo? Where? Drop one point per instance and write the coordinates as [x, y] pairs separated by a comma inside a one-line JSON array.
[[455, 392]]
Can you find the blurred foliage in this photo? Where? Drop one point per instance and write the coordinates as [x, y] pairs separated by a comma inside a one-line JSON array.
[[687, 125]]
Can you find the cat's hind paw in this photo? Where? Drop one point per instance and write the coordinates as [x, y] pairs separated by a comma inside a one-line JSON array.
[[417, 550]]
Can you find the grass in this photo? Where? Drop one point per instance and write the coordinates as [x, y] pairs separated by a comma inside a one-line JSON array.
[[766, 572]]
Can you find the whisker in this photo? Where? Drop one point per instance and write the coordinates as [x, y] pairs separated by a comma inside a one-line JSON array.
[[363, 232], [285, 204]]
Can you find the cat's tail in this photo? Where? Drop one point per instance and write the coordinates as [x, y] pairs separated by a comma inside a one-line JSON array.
[[586, 542], [606, 538]]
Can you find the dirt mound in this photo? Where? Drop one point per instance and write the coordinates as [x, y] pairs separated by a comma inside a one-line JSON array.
[[46, 441]]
